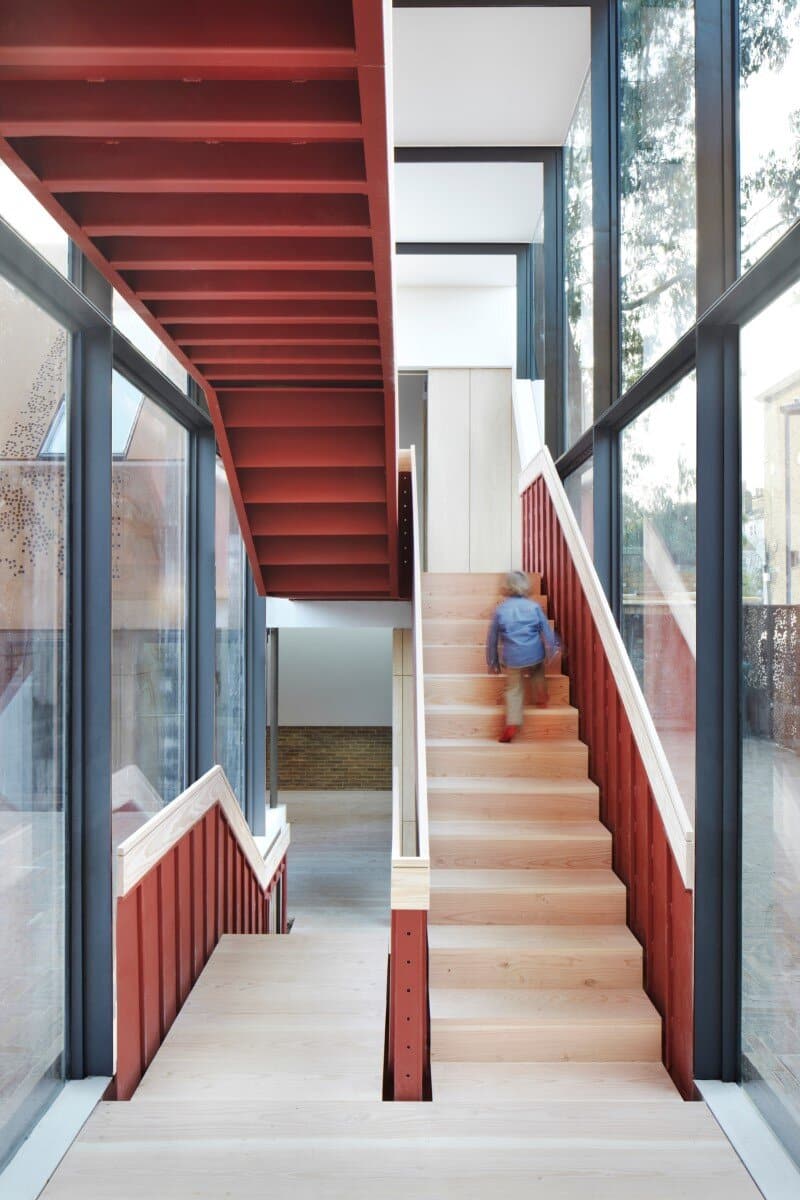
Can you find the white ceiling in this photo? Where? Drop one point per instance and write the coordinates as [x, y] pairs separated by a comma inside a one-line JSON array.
[[487, 76], [455, 270], [467, 202]]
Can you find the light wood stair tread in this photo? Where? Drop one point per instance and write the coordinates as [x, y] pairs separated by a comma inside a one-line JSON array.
[[477, 743], [542, 1006], [557, 1083], [523, 830], [566, 879], [483, 784], [609, 939], [269, 1122], [491, 710]]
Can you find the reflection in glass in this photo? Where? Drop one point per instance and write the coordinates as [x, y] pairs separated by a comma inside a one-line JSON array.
[[24, 213], [230, 666], [769, 122], [579, 488], [34, 353], [139, 334], [579, 268], [770, 400], [148, 606], [657, 179], [659, 557]]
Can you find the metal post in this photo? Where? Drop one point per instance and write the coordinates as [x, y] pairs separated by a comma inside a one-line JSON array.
[[91, 992], [273, 717]]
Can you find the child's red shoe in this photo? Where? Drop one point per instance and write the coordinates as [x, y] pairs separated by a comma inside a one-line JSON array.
[[543, 703], [508, 733]]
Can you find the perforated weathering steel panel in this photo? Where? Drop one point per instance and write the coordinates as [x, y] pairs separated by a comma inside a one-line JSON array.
[[225, 166]]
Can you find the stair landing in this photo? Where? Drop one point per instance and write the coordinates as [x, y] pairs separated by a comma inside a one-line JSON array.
[[268, 1083]]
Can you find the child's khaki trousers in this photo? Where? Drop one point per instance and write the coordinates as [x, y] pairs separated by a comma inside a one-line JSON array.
[[515, 690]]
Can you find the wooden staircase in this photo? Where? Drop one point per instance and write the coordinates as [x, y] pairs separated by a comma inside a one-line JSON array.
[[531, 959]]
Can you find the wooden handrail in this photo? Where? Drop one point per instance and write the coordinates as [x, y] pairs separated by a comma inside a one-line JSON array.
[[147, 845], [411, 871], [677, 822], [408, 1052]]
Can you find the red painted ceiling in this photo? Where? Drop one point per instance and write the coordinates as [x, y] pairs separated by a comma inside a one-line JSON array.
[[225, 166]]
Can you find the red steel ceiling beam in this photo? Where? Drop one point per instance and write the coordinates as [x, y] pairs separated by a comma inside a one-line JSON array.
[[237, 253], [265, 312], [84, 38], [290, 520], [318, 408], [322, 485], [317, 109], [239, 285], [276, 129], [112, 215], [143, 166], [274, 335]]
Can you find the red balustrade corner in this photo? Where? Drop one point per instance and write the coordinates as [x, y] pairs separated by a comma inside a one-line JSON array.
[[660, 907], [408, 1049], [167, 926]]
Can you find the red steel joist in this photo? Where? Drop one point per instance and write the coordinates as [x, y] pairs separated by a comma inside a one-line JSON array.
[[225, 166]]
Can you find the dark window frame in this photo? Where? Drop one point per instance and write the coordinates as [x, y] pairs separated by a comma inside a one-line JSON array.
[[82, 303]]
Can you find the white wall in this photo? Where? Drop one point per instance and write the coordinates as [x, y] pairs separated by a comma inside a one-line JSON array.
[[455, 327], [473, 504], [335, 677]]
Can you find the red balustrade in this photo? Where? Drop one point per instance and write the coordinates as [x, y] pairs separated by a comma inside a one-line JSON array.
[[168, 925], [660, 908]]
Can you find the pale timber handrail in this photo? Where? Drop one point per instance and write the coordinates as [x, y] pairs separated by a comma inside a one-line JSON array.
[[678, 824], [410, 839], [148, 844]]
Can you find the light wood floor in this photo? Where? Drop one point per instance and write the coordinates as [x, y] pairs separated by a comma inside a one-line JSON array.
[[269, 1082]]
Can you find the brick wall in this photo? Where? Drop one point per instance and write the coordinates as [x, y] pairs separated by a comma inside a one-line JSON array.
[[322, 757]]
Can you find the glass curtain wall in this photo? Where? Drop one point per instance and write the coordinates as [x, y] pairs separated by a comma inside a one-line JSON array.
[[31, 221], [148, 605], [769, 122], [770, 414], [579, 488], [34, 363], [579, 269], [658, 207], [229, 712], [658, 463]]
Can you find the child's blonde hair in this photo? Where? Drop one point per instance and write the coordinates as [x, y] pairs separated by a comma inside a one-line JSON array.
[[517, 584]]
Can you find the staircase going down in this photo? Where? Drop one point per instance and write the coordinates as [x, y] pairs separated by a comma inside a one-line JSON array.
[[531, 959]]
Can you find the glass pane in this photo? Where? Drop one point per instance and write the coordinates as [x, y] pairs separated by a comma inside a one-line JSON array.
[[578, 487], [34, 356], [32, 222], [148, 606], [579, 268], [659, 557], [770, 399], [769, 122], [657, 179], [131, 325], [230, 669]]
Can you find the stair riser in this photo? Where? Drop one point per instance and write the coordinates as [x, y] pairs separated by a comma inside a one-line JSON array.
[[546, 969], [591, 1042], [479, 583], [538, 726], [459, 606], [455, 633], [517, 854], [454, 907], [470, 660], [484, 689], [518, 760], [467, 806]]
